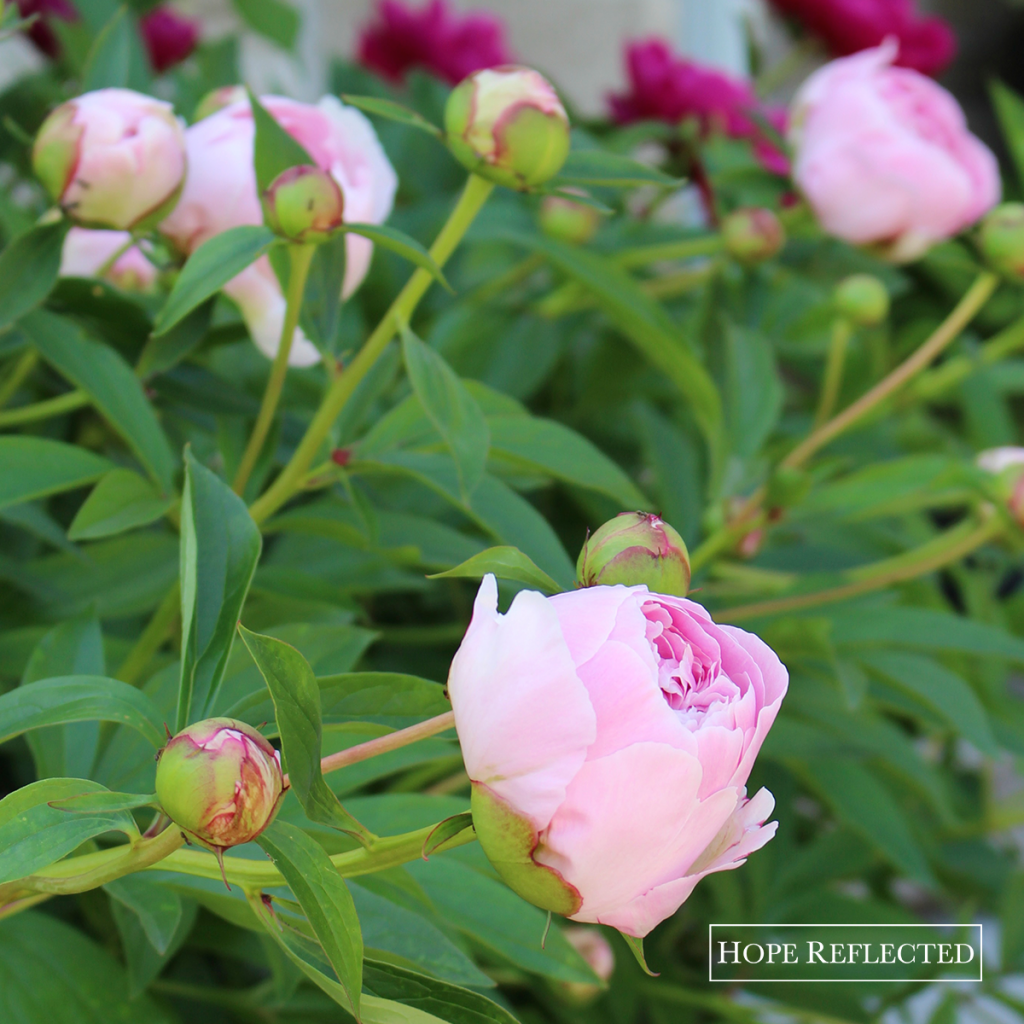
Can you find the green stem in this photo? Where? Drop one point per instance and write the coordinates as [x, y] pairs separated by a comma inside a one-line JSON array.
[[22, 368], [842, 331], [290, 479], [944, 550], [109, 262], [152, 638], [44, 410], [973, 299], [723, 539], [301, 257]]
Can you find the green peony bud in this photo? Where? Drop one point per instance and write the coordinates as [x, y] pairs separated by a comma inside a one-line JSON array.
[[220, 781], [510, 842], [635, 548], [567, 220], [55, 153], [304, 204], [1002, 239], [863, 300], [752, 234], [508, 125]]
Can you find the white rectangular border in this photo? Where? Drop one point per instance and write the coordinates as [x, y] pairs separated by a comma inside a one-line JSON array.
[[840, 981]]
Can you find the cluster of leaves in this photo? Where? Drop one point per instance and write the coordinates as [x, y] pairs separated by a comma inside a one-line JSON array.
[[556, 387]]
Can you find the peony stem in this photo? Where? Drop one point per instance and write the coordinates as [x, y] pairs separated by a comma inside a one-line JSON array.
[[290, 479], [22, 368], [44, 410], [108, 263], [152, 637], [842, 331], [948, 548], [300, 259], [684, 249]]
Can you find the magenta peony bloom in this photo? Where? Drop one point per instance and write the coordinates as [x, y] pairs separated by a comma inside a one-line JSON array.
[[664, 87], [609, 734], [434, 38], [169, 37], [884, 155], [40, 32], [927, 44]]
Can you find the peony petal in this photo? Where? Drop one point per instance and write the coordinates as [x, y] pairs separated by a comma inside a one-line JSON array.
[[588, 617], [523, 717]]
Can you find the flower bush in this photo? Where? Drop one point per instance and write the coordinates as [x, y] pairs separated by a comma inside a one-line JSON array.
[[452, 552]]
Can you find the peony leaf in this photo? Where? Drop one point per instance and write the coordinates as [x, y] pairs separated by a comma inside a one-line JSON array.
[[507, 563], [34, 467], [122, 500], [636, 947], [28, 269], [274, 149], [599, 167], [393, 112], [404, 245]]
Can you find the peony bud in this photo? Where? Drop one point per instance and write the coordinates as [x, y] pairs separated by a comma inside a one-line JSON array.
[[304, 204], [508, 125], [862, 299], [591, 944], [218, 99], [1002, 239], [635, 548], [752, 234], [112, 158], [567, 220], [1006, 464], [220, 781]]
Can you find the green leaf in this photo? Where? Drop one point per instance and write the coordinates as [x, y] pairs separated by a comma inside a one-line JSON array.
[[404, 245], [451, 408], [445, 830], [78, 699], [324, 899], [158, 908], [943, 691], [636, 947], [541, 445], [220, 547], [393, 112], [116, 59], [122, 500], [613, 170], [1009, 107], [507, 563], [754, 391], [50, 971], [93, 803], [109, 381], [441, 999], [28, 269], [143, 961], [33, 467], [210, 267], [296, 697], [34, 835], [274, 150], [321, 303], [273, 19], [863, 803], [166, 351]]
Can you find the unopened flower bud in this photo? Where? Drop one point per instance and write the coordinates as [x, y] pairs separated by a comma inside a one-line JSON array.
[[595, 949], [508, 125], [752, 234], [567, 220], [635, 548], [1006, 464], [1002, 239], [112, 158], [218, 99], [304, 204], [220, 781], [862, 299]]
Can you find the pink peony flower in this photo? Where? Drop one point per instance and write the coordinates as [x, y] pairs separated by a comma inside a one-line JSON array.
[[169, 37], [927, 44], [220, 193], [85, 252], [884, 155], [434, 38], [609, 733], [664, 87]]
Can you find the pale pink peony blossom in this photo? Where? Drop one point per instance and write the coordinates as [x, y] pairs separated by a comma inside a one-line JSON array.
[[220, 193], [884, 155], [619, 727], [86, 252]]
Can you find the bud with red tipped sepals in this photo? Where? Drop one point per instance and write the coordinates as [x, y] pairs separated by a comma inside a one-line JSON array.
[[1006, 464], [862, 299], [220, 781], [1002, 239], [635, 548], [112, 158], [304, 204], [567, 220], [508, 125], [752, 234]]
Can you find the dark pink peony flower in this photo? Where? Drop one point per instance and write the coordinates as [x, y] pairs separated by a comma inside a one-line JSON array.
[[40, 31], [664, 87], [169, 37], [927, 44], [431, 37]]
